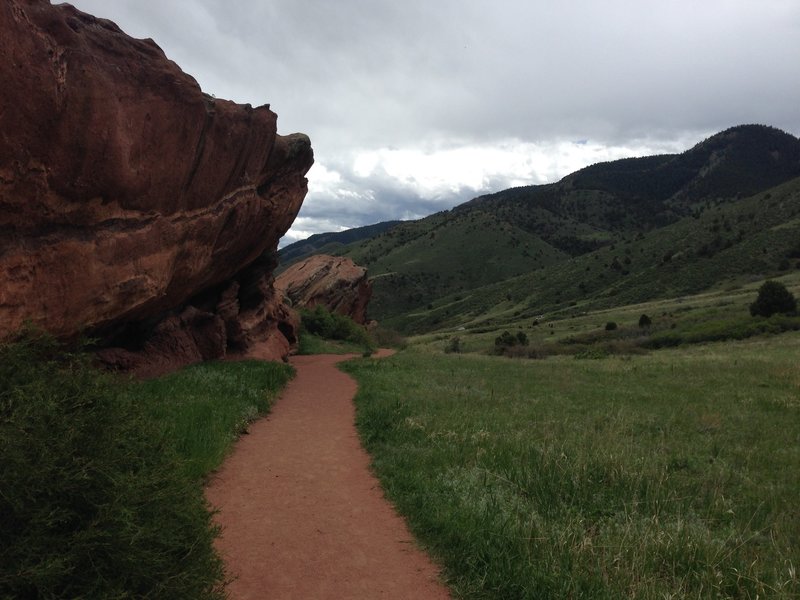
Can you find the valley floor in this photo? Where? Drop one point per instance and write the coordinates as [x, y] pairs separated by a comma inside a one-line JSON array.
[[666, 475]]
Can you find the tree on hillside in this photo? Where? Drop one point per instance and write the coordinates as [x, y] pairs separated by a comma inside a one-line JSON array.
[[454, 345], [507, 340], [773, 297], [645, 322]]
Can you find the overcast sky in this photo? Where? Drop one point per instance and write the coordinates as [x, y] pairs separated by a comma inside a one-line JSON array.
[[415, 106]]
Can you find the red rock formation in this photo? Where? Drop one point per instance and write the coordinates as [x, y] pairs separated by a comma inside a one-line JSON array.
[[125, 191], [332, 281]]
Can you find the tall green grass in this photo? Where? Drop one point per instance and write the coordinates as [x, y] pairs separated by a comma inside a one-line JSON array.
[[100, 480], [205, 407], [314, 344], [670, 475]]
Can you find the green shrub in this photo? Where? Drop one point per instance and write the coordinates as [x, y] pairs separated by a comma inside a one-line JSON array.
[[645, 322], [384, 337], [318, 321], [505, 340], [591, 354], [611, 326], [453, 346], [329, 325], [93, 502], [313, 344], [773, 297]]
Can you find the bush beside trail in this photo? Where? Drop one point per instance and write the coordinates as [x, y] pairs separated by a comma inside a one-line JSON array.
[[93, 503], [101, 478], [327, 325]]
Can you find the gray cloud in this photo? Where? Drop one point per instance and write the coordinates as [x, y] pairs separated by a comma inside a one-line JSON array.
[[361, 76]]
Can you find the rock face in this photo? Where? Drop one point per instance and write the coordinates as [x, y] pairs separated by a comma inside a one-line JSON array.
[[332, 281], [127, 195]]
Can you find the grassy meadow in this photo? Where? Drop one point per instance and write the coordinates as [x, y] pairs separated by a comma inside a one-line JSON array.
[[671, 474], [653, 470]]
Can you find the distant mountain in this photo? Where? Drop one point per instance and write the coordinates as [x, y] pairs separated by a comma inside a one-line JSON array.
[[328, 243], [634, 228], [636, 194]]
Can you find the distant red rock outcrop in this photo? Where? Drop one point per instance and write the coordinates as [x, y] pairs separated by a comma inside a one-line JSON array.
[[130, 201], [331, 281]]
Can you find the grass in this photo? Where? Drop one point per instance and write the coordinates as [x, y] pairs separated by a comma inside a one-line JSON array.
[[205, 407], [670, 475], [712, 315], [378, 337], [314, 344], [101, 480], [328, 332], [730, 329]]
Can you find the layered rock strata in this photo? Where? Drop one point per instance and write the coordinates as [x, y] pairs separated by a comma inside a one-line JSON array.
[[331, 281], [129, 199]]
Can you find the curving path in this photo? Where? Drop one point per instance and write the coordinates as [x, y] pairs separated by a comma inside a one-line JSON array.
[[302, 515]]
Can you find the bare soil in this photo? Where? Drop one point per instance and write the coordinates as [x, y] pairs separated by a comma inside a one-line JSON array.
[[302, 515]]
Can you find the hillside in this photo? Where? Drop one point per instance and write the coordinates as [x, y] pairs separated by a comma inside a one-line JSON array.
[[626, 230], [726, 245], [328, 243]]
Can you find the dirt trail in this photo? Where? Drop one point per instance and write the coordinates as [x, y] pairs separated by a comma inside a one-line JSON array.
[[302, 515]]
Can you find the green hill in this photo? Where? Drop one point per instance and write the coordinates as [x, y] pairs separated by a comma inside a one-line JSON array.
[[726, 245], [328, 243], [621, 231]]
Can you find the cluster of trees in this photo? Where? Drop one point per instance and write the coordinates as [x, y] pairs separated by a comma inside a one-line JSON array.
[[508, 340]]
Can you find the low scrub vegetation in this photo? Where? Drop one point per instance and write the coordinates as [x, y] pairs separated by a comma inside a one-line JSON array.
[[320, 327], [628, 341], [384, 337], [101, 479], [506, 342], [715, 315], [719, 330], [659, 476]]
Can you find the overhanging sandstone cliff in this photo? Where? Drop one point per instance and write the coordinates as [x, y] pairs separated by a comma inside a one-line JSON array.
[[126, 192]]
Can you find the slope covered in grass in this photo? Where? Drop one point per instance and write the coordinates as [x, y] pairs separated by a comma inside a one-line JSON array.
[[726, 243], [412, 266]]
